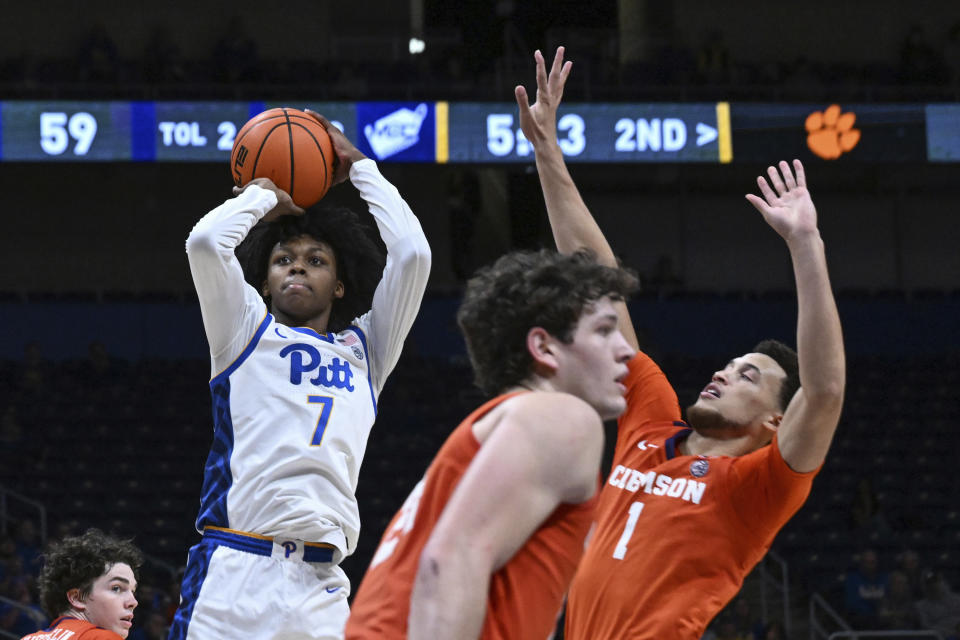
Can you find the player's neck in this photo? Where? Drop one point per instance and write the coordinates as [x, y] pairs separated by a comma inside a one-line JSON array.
[[317, 323], [73, 613], [698, 444]]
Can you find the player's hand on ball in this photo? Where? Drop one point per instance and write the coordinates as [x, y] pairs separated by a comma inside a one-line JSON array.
[[345, 150], [285, 206]]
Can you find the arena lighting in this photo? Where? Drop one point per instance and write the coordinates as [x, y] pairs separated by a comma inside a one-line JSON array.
[[417, 46]]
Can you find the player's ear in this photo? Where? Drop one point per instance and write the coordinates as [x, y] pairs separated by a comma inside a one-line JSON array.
[[265, 289], [540, 344], [339, 290], [76, 600], [772, 423]]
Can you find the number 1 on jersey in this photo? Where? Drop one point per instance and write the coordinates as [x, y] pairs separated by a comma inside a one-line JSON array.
[[326, 406], [621, 550]]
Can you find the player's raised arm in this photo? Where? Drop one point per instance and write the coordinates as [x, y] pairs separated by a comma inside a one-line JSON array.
[[572, 223], [399, 293], [811, 418], [217, 276], [545, 451]]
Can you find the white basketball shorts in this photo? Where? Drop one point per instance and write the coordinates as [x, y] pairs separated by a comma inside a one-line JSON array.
[[241, 585]]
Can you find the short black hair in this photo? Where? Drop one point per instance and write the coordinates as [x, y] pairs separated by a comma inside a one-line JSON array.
[[526, 289], [787, 359], [76, 562], [359, 253]]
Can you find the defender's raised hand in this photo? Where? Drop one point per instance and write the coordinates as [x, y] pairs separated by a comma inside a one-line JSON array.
[[539, 120], [787, 206]]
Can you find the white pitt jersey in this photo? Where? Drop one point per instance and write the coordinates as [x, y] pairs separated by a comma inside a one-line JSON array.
[[293, 408], [292, 415]]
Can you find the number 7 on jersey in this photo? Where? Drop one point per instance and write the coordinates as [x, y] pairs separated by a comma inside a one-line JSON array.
[[326, 407]]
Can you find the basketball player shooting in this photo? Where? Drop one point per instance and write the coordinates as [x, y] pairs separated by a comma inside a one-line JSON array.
[[303, 330], [690, 508]]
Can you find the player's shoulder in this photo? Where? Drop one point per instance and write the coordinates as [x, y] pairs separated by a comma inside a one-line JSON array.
[[358, 329], [97, 633], [551, 414], [551, 404], [75, 629]]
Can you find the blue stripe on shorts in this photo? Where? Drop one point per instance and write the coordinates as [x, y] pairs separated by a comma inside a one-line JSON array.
[[193, 576]]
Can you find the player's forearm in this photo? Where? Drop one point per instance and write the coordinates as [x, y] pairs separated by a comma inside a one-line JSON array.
[[571, 221], [396, 302], [573, 225], [449, 597], [219, 232], [212, 241], [399, 293], [395, 220], [217, 275], [819, 336]]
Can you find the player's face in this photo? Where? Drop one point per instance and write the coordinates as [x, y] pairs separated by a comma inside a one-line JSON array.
[[302, 280], [593, 366], [740, 397], [111, 601]]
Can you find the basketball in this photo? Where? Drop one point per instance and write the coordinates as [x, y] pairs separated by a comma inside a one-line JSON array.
[[289, 147]]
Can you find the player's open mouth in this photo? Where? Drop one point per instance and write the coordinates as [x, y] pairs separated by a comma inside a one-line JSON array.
[[710, 391]]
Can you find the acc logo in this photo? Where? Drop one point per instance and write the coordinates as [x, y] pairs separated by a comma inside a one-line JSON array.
[[396, 131], [830, 134], [699, 468]]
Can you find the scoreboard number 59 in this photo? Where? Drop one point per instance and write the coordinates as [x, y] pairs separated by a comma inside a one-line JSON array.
[[57, 128]]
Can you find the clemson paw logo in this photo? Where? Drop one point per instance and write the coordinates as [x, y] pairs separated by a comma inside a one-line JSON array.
[[830, 133]]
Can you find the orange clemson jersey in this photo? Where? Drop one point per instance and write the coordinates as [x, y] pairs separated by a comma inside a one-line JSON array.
[[65, 628], [676, 534], [525, 595]]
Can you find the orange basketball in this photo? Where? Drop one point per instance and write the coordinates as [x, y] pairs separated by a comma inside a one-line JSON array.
[[289, 147]]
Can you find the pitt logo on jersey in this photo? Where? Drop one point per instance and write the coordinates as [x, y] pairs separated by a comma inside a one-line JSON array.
[[657, 483], [306, 359]]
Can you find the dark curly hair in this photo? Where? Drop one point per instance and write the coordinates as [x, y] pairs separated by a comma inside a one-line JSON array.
[[787, 359], [526, 289], [360, 258], [76, 562]]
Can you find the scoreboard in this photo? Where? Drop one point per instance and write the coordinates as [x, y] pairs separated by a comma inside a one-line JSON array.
[[486, 132], [652, 132]]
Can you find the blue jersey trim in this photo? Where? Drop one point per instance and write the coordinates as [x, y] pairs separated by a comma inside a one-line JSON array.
[[317, 554], [326, 337], [247, 350], [263, 546], [677, 438], [247, 544], [56, 621], [217, 478], [193, 576], [366, 352]]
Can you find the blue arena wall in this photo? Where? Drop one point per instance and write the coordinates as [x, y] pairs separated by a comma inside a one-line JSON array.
[[688, 325]]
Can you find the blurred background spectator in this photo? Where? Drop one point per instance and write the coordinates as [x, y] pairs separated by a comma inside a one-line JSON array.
[[939, 608]]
